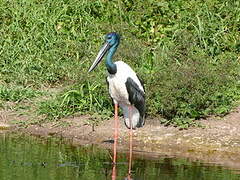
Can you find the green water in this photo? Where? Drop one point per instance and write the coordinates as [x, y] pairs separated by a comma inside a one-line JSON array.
[[31, 158]]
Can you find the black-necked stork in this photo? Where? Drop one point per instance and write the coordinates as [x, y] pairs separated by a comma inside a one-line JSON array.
[[125, 88]]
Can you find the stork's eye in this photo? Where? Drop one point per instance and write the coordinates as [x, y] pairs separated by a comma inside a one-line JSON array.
[[109, 37]]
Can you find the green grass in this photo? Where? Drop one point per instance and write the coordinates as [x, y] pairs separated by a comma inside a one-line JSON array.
[[18, 94], [187, 52], [83, 98]]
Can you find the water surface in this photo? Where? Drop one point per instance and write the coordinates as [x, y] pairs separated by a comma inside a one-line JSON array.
[[25, 157]]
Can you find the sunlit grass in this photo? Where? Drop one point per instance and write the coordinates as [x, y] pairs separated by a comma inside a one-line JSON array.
[[187, 52], [17, 94]]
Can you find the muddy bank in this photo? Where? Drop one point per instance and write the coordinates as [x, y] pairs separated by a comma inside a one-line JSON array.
[[218, 142]]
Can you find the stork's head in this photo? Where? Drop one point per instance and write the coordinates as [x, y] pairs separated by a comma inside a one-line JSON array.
[[111, 42], [112, 38]]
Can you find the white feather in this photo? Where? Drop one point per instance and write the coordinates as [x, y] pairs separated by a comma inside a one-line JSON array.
[[118, 91]]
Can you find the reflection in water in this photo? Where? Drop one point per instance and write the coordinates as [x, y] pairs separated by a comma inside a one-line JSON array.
[[23, 157], [114, 169], [114, 166], [114, 173]]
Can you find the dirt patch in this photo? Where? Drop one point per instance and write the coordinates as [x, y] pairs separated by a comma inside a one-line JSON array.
[[218, 142]]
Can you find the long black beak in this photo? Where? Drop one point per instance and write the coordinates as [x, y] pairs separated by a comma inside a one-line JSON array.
[[100, 56]]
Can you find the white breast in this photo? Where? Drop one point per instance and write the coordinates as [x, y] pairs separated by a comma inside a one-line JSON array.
[[117, 87]]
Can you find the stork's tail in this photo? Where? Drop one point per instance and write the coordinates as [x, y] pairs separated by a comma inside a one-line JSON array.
[[137, 120], [141, 122]]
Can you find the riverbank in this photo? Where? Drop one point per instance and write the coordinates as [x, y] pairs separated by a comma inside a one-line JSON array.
[[218, 142]]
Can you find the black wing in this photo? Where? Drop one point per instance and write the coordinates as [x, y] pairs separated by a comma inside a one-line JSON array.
[[137, 98]]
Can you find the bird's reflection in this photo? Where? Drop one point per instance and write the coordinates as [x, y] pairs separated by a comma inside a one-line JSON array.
[[114, 173], [129, 173]]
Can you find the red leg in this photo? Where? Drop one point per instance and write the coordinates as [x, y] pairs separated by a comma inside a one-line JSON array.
[[130, 142], [115, 134]]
